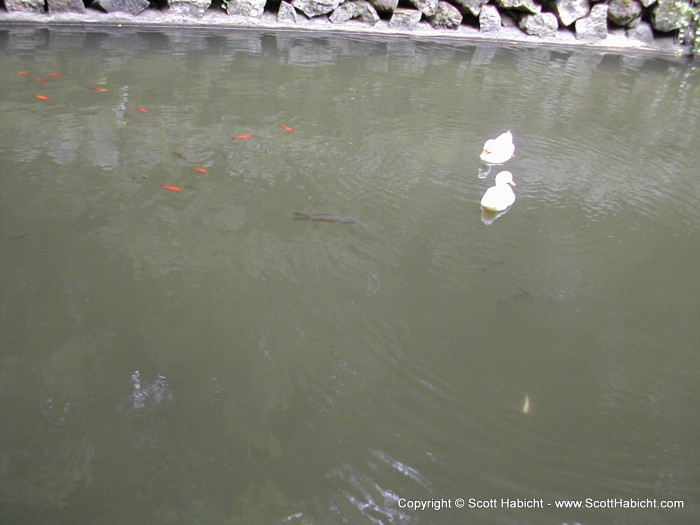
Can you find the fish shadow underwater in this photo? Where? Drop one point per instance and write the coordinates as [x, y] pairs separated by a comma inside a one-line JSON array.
[[325, 217]]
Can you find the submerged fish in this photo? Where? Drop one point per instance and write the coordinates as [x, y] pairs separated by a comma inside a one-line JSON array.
[[171, 188], [526, 405], [288, 129], [41, 97], [242, 137], [98, 88], [200, 170], [141, 109], [325, 217]]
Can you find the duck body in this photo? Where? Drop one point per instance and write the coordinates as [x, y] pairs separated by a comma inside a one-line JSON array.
[[498, 150], [501, 196]]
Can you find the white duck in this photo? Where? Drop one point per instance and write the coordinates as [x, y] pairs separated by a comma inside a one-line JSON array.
[[498, 150], [500, 196]]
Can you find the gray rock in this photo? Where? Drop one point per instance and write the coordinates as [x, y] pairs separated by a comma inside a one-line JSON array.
[[446, 16], [542, 25], [571, 10], [250, 8], [384, 6], [343, 13], [471, 6], [489, 19], [133, 7], [31, 6], [195, 8], [427, 7], [405, 19], [286, 13], [507, 20], [355, 9], [664, 16], [366, 12], [66, 6], [624, 13], [313, 8], [594, 27], [642, 32], [528, 6]]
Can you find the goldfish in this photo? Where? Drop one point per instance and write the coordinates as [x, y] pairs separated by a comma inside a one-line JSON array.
[[141, 109], [286, 128], [171, 188], [55, 74], [200, 170], [41, 97], [242, 137], [40, 79], [24, 73], [325, 217], [98, 88]]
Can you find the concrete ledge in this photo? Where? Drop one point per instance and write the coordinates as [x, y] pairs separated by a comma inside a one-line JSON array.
[[616, 41]]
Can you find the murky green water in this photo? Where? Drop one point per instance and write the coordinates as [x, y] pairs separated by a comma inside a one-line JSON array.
[[202, 357]]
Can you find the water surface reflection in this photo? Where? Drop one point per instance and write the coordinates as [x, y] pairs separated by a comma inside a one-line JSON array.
[[203, 357]]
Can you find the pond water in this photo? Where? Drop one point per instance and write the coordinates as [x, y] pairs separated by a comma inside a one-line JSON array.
[[200, 356]]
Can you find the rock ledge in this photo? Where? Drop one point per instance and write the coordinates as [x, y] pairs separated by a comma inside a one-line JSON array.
[[573, 23]]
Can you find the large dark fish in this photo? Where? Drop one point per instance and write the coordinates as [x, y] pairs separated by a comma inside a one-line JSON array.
[[325, 217]]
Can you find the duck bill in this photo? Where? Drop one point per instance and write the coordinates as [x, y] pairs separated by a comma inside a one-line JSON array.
[[512, 183]]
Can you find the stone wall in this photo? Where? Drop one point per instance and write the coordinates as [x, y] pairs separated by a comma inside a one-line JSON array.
[[588, 20]]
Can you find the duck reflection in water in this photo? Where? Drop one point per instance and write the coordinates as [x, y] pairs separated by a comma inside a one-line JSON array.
[[488, 216], [484, 170]]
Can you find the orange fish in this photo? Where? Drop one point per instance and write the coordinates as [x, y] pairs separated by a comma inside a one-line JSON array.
[[40, 79], [98, 88], [286, 128], [24, 73], [55, 74], [41, 97], [200, 170], [141, 109], [171, 188], [242, 137]]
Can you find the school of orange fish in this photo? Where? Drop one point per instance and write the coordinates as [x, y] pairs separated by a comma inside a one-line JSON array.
[[175, 189]]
